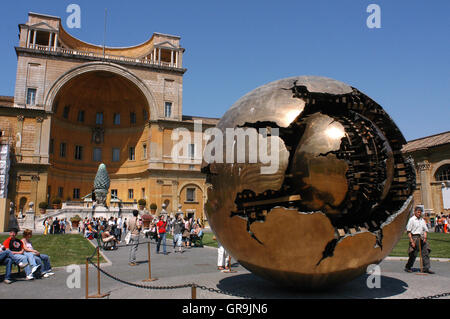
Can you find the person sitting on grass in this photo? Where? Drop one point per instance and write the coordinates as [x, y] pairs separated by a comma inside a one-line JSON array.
[[196, 233], [91, 233], [6, 258], [16, 247], [41, 259]]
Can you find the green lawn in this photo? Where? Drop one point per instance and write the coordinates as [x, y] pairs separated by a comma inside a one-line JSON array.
[[207, 239], [439, 244], [63, 250]]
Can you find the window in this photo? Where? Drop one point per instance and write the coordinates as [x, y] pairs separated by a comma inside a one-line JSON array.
[[99, 118], [113, 193], [145, 114], [66, 111], [191, 167], [116, 118], [143, 192], [443, 173], [60, 192], [76, 193], [97, 154], [132, 118], [131, 156], [31, 96], [80, 116], [51, 146], [190, 194], [62, 149], [130, 194], [78, 152], [191, 151], [144, 151], [168, 109], [116, 155]]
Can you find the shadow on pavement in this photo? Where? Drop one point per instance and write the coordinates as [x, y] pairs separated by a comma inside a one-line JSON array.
[[251, 286]]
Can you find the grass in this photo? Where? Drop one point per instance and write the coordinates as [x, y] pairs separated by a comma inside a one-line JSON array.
[[207, 239], [439, 243], [64, 250]]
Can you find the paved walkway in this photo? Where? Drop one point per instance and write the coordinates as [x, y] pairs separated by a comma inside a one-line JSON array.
[[198, 265]]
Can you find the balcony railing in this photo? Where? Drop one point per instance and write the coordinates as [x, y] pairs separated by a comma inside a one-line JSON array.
[[119, 58]]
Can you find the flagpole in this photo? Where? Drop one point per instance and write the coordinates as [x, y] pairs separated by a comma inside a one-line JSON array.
[[104, 34]]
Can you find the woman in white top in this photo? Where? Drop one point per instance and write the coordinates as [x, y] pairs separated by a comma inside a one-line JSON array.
[[41, 259]]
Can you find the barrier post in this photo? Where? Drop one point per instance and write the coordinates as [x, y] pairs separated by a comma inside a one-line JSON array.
[[149, 266], [99, 294], [87, 278], [194, 291]]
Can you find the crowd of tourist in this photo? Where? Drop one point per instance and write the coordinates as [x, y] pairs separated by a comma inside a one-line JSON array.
[[21, 253], [442, 224], [56, 226]]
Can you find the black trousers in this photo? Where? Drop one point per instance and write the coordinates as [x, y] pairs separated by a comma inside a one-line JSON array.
[[413, 251]]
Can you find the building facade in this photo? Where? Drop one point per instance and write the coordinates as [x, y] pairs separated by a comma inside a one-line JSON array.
[[432, 160], [77, 105]]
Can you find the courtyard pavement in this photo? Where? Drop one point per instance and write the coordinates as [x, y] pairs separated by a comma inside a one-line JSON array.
[[198, 265]]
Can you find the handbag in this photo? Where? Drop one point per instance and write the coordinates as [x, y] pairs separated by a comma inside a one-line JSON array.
[[128, 238]]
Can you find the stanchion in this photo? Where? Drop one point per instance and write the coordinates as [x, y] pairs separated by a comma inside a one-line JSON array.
[[149, 266], [194, 291], [99, 294], [420, 255]]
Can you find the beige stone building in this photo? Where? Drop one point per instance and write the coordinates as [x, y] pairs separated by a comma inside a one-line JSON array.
[[77, 105], [432, 159]]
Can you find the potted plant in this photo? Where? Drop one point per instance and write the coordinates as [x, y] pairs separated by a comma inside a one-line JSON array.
[[142, 202], [75, 221], [153, 208], [56, 202], [42, 207]]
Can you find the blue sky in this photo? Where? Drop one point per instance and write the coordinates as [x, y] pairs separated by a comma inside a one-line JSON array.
[[233, 47]]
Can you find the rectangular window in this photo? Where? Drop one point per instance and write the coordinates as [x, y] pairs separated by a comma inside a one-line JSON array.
[[99, 119], [131, 156], [113, 193], [143, 192], [76, 193], [116, 118], [66, 111], [80, 116], [144, 151], [31, 96], [60, 192], [168, 109], [97, 154], [132, 118], [190, 194], [78, 152], [191, 151], [130, 194], [62, 149], [51, 146], [116, 155]]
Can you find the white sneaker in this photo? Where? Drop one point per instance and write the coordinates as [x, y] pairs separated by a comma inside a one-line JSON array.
[[49, 274], [23, 265], [34, 269], [30, 277]]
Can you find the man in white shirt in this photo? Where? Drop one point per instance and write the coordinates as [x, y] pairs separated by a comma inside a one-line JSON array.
[[417, 233]]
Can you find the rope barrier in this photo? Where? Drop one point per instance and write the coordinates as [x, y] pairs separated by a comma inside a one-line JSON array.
[[193, 286]]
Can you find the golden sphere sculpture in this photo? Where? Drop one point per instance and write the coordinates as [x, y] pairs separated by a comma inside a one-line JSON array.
[[331, 195]]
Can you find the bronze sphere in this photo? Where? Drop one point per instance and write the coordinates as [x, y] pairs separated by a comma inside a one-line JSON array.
[[339, 197]]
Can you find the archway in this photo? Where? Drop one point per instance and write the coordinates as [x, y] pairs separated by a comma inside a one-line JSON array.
[[99, 116]]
